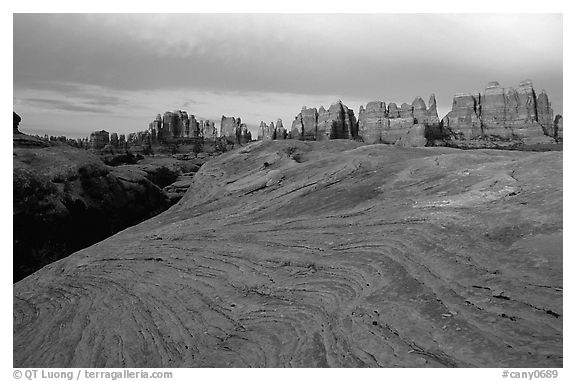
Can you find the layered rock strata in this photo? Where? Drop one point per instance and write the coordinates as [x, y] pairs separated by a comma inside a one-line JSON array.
[[271, 131], [410, 125], [338, 122], [513, 115]]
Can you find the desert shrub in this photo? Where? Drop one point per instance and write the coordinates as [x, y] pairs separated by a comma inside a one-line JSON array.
[[126, 158], [30, 188], [89, 170]]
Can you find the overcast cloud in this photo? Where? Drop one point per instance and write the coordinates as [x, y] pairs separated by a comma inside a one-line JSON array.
[[76, 73]]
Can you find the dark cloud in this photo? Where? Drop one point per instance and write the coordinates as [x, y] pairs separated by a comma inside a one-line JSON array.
[[54, 104], [101, 63]]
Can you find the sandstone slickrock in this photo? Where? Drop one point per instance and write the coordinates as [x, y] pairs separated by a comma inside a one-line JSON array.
[[332, 254]]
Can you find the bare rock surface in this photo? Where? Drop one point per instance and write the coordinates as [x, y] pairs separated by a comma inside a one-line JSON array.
[[319, 254]]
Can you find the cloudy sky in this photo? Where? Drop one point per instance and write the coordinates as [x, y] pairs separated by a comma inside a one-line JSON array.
[[75, 73]]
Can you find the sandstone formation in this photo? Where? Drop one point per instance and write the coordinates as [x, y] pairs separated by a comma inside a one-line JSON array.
[[209, 131], [411, 125], [262, 130], [244, 135], [273, 132], [281, 132], [309, 123], [558, 128], [114, 140], [338, 122], [122, 141], [229, 128], [296, 131], [545, 113], [498, 114], [175, 126], [372, 121], [99, 139], [319, 254], [266, 132]]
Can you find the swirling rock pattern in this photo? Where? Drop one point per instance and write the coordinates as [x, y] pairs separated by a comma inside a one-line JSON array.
[[319, 254]]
